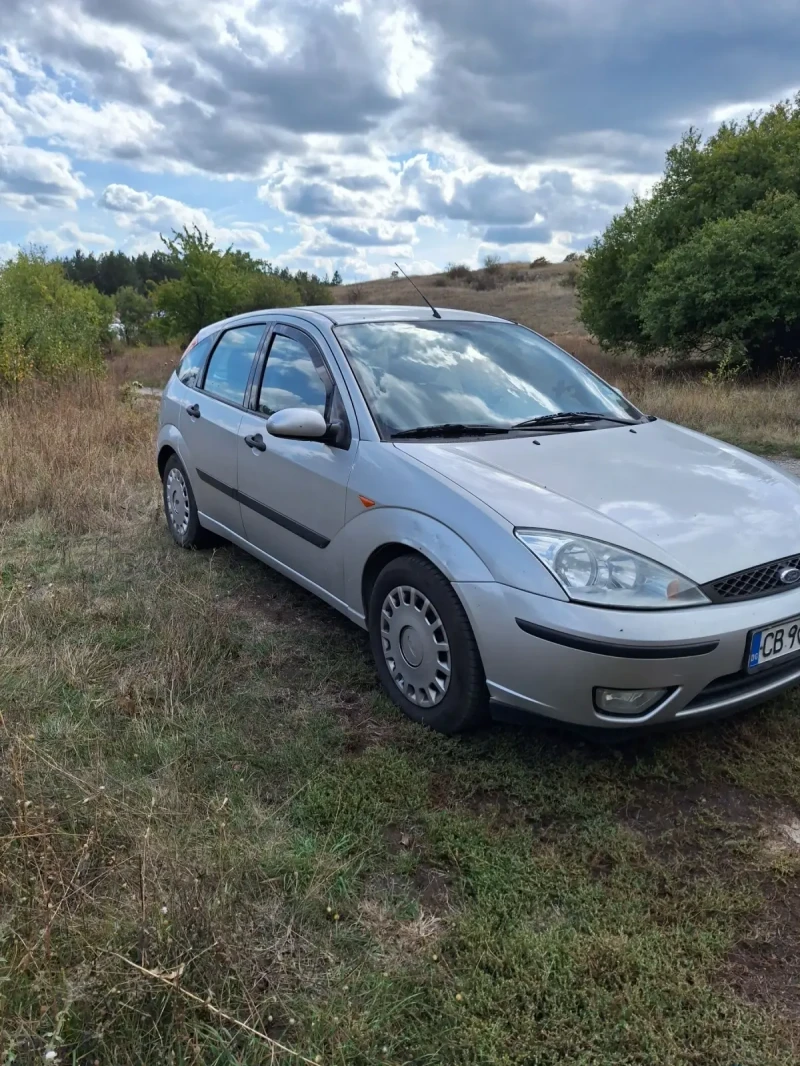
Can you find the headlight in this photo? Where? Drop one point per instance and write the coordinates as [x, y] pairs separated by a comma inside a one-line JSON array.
[[600, 574]]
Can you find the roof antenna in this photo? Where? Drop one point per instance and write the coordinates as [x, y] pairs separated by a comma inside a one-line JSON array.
[[422, 294]]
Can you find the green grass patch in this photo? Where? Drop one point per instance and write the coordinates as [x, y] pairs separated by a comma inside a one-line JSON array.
[[218, 837]]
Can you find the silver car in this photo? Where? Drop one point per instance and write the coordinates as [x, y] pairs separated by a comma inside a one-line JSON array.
[[512, 532]]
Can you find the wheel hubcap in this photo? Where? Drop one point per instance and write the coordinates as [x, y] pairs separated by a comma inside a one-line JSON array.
[[415, 646], [177, 496]]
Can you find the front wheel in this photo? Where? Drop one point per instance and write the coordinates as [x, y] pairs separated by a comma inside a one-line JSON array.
[[424, 647], [180, 507]]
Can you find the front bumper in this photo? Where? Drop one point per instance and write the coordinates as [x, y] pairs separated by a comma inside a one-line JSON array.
[[566, 650]]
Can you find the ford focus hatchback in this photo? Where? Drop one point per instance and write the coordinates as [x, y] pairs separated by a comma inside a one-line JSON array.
[[512, 532]]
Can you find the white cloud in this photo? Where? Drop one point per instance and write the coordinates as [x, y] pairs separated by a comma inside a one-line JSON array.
[[427, 130], [369, 236], [34, 177], [738, 111], [110, 131], [409, 57], [147, 215], [68, 237]]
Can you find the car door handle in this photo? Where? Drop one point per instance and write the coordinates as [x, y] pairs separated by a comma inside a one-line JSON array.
[[193, 411], [256, 441]]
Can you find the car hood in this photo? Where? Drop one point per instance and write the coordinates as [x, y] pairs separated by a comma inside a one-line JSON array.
[[702, 507]]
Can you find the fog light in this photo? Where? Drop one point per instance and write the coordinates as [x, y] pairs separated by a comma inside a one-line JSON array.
[[627, 701]]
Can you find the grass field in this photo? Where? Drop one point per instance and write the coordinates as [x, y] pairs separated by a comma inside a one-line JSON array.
[[219, 844], [539, 297]]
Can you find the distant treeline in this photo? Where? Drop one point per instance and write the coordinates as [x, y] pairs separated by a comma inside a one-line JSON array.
[[112, 271]]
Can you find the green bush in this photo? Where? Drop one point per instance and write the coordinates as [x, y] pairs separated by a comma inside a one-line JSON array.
[[709, 261], [491, 264], [570, 279], [48, 325], [486, 281], [268, 290], [458, 272], [735, 283], [212, 284]]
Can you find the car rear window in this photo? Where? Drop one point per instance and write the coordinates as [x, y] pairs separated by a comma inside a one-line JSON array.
[[191, 365]]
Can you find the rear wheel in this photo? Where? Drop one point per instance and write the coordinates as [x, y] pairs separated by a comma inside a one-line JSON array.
[[424, 647], [180, 507]]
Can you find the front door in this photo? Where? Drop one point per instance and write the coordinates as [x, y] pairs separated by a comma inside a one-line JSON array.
[[293, 492], [210, 422]]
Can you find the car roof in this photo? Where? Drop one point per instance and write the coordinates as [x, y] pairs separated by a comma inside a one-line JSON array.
[[341, 314]]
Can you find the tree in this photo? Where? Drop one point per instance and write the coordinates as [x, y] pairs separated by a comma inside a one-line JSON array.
[[245, 262], [263, 290], [135, 313], [337, 278], [708, 260], [153, 269], [312, 289], [115, 271], [81, 268], [48, 324], [734, 285], [209, 287]]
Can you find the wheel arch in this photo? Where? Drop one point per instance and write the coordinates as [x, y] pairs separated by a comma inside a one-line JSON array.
[[381, 557], [377, 537], [164, 453], [170, 442]]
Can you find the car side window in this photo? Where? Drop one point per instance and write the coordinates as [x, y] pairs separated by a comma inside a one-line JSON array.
[[293, 377], [191, 365], [231, 362]]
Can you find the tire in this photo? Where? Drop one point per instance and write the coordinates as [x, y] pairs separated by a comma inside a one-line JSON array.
[[180, 507], [424, 647]]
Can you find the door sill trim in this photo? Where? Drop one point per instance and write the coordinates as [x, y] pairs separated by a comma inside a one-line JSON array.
[[275, 564]]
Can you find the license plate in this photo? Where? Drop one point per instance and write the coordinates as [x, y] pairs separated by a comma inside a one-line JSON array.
[[767, 645]]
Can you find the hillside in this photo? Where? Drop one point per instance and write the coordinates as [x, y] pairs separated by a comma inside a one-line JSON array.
[[540, 297]]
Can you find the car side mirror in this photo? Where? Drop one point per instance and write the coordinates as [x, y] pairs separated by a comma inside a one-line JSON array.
[[298, 423]]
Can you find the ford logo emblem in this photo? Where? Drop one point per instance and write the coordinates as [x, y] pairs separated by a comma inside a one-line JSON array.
[[790, 575]]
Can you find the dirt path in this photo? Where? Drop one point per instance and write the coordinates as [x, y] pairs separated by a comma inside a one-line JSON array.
[[787, 463]]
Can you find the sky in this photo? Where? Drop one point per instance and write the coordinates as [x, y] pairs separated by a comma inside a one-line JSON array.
[[346, 135]]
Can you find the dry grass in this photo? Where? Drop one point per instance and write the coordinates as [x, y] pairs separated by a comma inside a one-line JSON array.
[[762, 417], [75, 452], [149, 366], [217, 839], [537, 298]]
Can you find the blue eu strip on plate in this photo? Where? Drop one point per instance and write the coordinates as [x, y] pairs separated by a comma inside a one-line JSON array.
[[755, 649]]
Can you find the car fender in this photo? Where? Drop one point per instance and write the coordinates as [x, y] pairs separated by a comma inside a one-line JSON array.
[[169, 436], [372, 530]]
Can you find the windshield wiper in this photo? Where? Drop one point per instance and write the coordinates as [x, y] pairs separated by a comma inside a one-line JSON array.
[[451, 429], [567, 418]]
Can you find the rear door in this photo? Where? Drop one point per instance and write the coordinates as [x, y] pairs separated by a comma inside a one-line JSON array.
[[292, 491], [210, 419]]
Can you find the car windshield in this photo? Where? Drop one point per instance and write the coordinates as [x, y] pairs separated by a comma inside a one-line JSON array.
[[417, 374]]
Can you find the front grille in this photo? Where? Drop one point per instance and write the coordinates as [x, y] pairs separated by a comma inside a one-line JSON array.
[[749, 584]]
